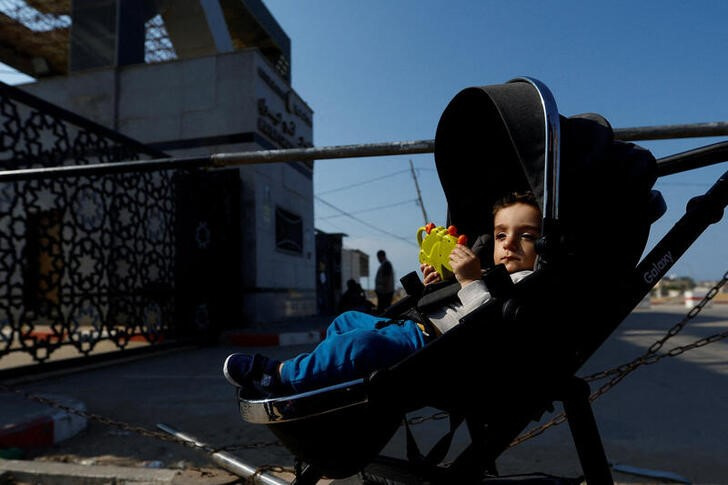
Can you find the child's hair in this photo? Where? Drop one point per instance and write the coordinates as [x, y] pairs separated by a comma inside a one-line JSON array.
[[515, 198]]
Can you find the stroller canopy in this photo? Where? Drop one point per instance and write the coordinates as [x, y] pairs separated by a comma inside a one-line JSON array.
[[503, 138]]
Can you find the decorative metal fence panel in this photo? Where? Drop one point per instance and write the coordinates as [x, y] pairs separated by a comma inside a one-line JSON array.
[[86, 263]]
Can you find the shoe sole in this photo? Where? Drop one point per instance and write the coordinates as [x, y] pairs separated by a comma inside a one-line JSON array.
[[225, 372]]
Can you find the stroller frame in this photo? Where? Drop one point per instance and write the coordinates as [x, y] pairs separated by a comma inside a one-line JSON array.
[[339, 430]]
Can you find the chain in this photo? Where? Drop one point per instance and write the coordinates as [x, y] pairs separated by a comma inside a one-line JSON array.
[[649, 357], [131, 428], [626, 369], [655, 347], [434, 417]]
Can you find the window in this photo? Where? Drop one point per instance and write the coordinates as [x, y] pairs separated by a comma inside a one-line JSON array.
[[289, 231]]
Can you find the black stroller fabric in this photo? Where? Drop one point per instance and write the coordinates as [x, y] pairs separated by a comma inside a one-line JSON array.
[[490, 141], [606, 195]]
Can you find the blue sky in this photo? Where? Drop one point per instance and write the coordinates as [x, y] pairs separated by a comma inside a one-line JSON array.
[[382, 71]]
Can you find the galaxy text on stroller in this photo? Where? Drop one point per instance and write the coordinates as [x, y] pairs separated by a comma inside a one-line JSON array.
[[657, 267]]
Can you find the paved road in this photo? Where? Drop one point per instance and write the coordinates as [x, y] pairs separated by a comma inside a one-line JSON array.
[[667, 417]]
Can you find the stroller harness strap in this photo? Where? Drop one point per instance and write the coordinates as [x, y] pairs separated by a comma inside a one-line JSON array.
[[428, 329]]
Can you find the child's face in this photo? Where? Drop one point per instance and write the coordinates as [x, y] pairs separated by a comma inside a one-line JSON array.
[[516, 229]]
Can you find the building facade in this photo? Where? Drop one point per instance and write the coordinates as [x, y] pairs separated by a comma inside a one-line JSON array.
[[247, 232]]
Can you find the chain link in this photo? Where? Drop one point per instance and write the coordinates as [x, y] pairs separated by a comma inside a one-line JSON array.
[[415, 420]]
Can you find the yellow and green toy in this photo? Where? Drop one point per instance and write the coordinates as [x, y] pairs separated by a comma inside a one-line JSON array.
[[436, 243]]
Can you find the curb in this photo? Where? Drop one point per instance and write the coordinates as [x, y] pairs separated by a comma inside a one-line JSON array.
[[41, 427], [71, 474], [252, 339]]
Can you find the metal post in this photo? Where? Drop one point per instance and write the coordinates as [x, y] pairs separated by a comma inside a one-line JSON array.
[[585, 433], [419, 194], [228, 461]]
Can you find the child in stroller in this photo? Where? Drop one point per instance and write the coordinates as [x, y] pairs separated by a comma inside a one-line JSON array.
[[358, 343], [509, 360]]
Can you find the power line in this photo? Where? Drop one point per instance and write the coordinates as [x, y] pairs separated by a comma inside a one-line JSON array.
[[372, 209], [360, 221], [361, 183], [340, 229]]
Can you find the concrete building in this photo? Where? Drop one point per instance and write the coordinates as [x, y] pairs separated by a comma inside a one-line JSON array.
[[217, 81], [355, 266]]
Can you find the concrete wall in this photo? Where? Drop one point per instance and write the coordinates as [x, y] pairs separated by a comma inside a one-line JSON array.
[[230, 102]]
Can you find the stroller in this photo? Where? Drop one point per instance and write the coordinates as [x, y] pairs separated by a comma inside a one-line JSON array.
[[524, 348]]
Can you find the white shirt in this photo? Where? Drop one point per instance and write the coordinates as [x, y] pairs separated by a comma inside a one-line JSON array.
[[470, 297]]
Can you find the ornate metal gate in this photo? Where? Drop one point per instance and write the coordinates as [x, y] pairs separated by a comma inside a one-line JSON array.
[[86, 263]]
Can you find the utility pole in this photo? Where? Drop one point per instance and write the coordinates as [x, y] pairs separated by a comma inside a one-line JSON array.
[[419, 195]]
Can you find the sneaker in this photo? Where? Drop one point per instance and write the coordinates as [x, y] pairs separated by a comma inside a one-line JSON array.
[[256, 374], [241, 369]]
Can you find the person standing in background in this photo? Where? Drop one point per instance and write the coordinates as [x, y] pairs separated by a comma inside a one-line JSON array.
[[384, 282]]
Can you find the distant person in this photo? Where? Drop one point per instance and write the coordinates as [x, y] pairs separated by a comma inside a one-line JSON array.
[[355, 299], [384, 282], [357, 343]]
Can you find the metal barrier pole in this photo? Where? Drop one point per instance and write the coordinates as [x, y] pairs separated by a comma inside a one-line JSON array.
[[323, 153], [228, 461], [667, 132]]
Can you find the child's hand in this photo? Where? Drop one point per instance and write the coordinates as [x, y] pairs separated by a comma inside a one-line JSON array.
[[429, 274], [465, 264]]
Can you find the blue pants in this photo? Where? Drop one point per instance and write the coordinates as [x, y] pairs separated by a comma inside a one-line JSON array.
[[353, 347]]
